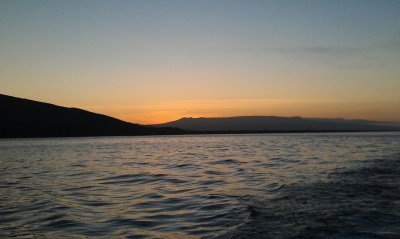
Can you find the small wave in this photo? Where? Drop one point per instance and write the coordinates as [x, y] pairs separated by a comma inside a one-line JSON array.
[[124, 176], [226, 161], [212, 172], [61, 224], [144, 178], [96, 203], [130, 222], [213, 207]]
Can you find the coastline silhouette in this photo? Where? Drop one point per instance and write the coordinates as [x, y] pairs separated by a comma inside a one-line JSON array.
[[24, 118]]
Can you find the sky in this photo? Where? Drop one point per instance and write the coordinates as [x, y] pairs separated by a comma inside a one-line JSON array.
[[155, 61]]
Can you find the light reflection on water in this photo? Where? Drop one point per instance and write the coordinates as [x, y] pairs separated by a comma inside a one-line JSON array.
[[193, 186]]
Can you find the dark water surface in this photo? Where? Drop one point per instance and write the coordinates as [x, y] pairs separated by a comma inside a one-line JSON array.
[[343, 185]]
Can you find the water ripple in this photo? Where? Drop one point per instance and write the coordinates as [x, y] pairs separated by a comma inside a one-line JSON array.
[[223, 186]]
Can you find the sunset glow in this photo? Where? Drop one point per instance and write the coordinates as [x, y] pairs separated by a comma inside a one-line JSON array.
[[155, 61]]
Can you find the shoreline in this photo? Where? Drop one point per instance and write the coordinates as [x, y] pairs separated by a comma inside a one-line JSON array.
[[204, 133]]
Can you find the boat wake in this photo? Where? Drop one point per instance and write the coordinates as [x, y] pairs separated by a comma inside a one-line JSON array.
[[355, 203]]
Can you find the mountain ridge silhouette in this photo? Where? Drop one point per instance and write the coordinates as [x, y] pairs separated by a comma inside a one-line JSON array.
[[276, 124], [24, 118]]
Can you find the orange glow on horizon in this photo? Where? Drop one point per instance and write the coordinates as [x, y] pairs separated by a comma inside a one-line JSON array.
[[156, 113]]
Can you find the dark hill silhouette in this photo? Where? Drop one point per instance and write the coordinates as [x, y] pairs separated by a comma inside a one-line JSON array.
[[28, 118], [274, 124]]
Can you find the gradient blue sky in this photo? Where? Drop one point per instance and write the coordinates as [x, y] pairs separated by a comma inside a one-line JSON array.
[[153, 61]]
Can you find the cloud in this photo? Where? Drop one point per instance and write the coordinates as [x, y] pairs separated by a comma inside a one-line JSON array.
[[302, 50], [375, 56], [390, 45]]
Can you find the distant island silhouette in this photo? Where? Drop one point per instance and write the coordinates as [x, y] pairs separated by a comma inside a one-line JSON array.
[[276, 124], [23, 118]]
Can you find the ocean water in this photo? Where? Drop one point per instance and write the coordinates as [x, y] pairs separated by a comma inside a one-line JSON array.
[[336, 185]]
